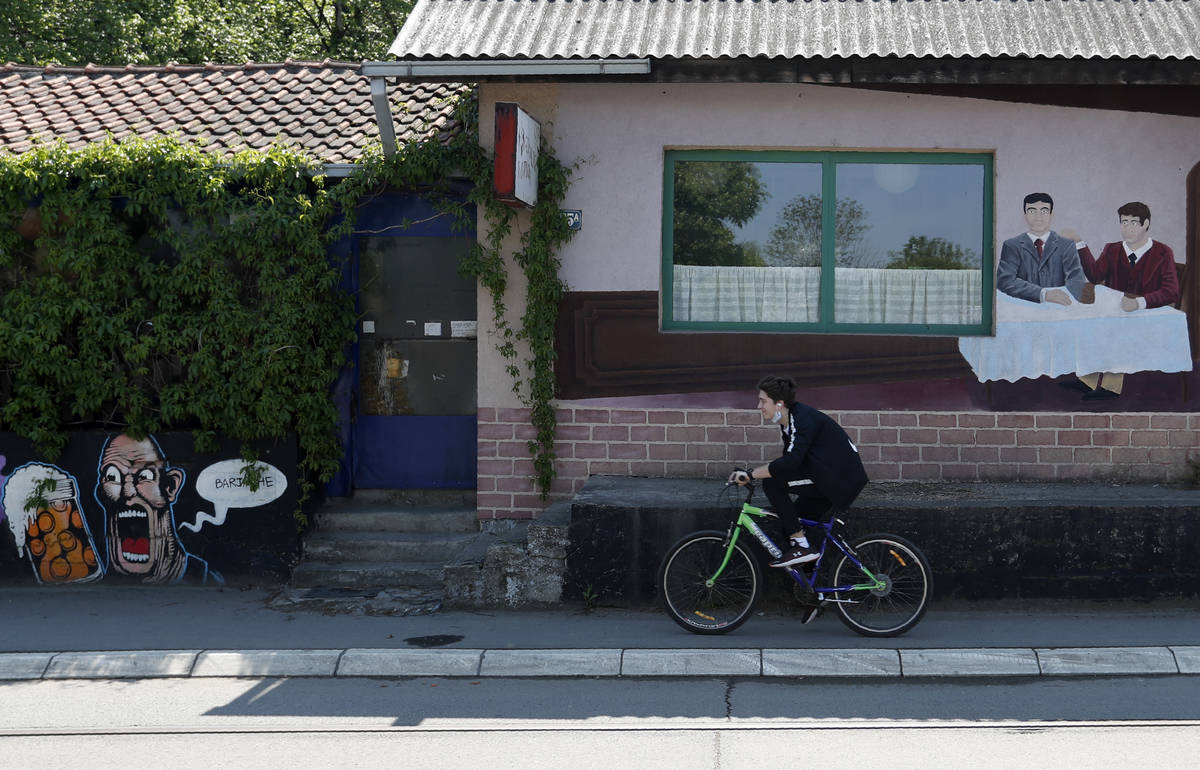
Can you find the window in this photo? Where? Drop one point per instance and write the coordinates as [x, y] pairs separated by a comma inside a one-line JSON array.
[[828, 242]]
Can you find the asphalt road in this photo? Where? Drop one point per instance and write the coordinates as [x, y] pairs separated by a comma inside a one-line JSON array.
[[664, 723]]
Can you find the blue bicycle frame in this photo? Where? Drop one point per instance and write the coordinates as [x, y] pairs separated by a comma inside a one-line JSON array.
[[746, 520]]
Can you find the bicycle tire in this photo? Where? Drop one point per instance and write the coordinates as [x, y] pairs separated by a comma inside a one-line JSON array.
[[697, 606], [901, 605]]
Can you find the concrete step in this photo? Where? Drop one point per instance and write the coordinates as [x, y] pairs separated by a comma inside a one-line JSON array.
[[387, 574], [460, 498], [359, 517], [330, 600], [338, 546]]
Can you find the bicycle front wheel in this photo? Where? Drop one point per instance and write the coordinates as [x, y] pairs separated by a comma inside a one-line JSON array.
[[903, 599], [694, 598]]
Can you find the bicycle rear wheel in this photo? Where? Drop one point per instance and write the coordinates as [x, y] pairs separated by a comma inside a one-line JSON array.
[[901, 603], [689, 598]]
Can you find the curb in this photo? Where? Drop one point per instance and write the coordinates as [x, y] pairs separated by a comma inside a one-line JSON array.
[[633, 663]]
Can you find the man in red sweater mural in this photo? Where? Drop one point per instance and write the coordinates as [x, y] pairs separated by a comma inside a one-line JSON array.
[[1139, 266]]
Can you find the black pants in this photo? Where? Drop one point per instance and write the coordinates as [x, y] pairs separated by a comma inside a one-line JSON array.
[[809, 503]]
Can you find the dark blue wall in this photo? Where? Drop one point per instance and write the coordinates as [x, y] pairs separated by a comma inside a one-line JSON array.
[[254, 538]]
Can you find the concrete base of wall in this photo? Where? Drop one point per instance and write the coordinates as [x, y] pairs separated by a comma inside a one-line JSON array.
[[513, 566], [984, 540]]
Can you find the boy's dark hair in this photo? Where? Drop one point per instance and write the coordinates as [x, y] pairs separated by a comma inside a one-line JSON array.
[[778, 388], [1135, 209], [1037, 198]]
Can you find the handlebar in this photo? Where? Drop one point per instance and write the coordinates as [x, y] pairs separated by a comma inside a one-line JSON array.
[[748, 486]]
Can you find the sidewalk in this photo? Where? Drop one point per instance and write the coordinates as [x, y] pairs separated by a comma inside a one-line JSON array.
[[136, 632]]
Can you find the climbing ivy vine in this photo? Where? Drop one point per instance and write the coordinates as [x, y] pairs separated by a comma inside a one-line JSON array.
[[151, 285], [428, 165]]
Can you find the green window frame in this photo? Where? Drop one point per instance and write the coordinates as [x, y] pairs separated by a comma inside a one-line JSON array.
[[829, 162]]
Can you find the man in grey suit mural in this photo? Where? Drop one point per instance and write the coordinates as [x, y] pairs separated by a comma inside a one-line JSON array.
[[1040, 265]]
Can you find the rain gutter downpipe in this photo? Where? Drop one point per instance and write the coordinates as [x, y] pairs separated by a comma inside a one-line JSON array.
[[383, 115]]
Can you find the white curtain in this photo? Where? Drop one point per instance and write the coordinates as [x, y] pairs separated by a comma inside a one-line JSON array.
[[756, 294], [791, 295], [879, 296]]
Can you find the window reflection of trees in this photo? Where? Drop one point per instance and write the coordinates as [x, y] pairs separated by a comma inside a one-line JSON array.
[[709, 197], [712, 198], [924, 253], [795, 239]]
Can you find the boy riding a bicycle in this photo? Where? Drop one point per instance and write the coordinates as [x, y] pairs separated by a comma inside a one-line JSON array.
[[710, 581], [819, 464]]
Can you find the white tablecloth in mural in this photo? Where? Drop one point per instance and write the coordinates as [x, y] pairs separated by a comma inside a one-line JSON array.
[[1035, 339]]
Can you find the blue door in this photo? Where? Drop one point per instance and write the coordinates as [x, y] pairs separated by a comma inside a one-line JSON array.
[[412, 421]]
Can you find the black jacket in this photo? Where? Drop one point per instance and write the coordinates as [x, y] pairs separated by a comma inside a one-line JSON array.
[[815, 447]]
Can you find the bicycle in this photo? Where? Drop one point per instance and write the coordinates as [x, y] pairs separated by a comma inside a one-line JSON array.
[[710, 582]]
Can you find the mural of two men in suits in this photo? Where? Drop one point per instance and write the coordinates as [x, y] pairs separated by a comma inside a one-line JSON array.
[[1041, 265]]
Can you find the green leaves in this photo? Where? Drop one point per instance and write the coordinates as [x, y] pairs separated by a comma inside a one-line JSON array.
[[118, 32], [163, 289], [150, 286]]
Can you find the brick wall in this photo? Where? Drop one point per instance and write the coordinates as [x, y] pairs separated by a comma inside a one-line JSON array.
[[895, 446]]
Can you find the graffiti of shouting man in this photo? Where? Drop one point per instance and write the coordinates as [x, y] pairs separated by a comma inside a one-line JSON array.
[[137, 489]]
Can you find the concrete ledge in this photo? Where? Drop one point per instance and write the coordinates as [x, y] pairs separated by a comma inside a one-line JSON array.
[[830, 663], [267, 663], [987, 662], [1187, 658], [140, 664], [364, 662], [551, 663], [691, 663], [1107, 660], [983, 540], [24, 665]]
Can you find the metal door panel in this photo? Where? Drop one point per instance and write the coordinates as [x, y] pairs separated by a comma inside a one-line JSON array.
[[415, 422], [415, 452]]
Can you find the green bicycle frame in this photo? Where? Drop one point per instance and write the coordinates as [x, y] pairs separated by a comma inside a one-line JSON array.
[[745, 520]]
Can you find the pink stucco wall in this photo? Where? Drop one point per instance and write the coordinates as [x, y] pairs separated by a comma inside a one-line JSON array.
[[1091, 161]]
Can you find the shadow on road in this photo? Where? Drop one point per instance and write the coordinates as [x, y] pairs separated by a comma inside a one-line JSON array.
[[424, 702]]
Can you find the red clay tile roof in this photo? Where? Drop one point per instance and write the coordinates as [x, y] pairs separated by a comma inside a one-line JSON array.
[[323, 108]]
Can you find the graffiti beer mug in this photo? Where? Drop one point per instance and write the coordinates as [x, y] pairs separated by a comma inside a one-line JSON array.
[[52, 529]]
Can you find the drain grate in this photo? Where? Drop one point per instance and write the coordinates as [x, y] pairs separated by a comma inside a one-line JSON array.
[[437, 640]]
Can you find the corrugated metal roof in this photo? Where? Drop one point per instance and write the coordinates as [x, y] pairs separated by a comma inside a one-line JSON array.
[[323, 108], [1125, 29]]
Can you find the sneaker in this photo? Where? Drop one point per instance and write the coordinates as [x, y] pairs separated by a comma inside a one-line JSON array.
[[797, 554], [813, 612]]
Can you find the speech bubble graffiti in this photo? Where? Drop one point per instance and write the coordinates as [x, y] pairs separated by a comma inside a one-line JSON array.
[[222, 485]]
